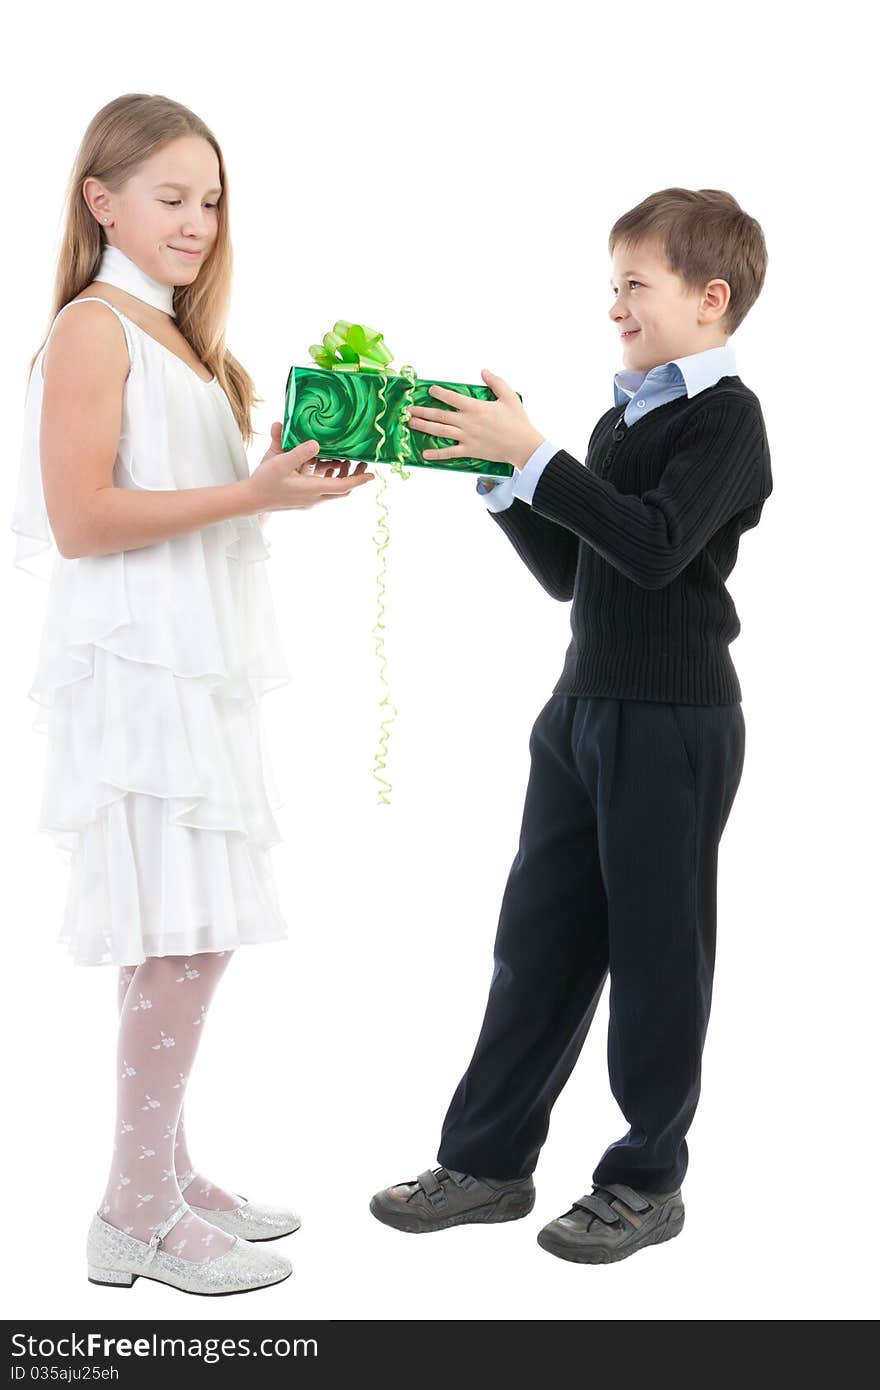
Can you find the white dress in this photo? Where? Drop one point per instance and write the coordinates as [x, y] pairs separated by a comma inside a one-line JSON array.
[[151, 667]]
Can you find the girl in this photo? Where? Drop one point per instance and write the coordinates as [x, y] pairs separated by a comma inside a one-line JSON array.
[[160, 638]]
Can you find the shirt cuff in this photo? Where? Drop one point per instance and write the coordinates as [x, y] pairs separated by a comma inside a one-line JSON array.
[[526, 480], [499, 497]]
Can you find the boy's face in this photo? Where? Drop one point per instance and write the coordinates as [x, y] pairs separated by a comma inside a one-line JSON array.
[[668, 321]]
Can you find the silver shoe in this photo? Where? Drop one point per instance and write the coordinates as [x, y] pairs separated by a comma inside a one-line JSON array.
[[118, 1259], [251, 1220]]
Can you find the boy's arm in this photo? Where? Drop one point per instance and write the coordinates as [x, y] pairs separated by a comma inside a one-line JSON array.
[[549, 550], [721, 467]]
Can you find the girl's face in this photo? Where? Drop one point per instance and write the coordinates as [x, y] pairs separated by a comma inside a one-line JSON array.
[[165, 216]]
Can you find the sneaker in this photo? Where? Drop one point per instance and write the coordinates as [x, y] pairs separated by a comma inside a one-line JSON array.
[[612, 1222], [443, 1197]]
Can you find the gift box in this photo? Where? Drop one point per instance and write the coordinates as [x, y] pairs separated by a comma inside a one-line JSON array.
[[356, 408]]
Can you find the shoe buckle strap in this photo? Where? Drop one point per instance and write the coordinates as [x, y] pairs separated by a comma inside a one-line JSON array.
[[161, 1232]]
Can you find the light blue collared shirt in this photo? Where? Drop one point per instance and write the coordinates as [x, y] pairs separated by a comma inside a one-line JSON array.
[[643, 391]]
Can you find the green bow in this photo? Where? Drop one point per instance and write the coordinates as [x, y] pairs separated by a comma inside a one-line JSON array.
[[351, 347]]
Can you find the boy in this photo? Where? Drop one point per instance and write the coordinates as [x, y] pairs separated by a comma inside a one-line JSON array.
[[638, 753]]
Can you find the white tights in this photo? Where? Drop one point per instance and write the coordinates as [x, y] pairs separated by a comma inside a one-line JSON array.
[[163, 1004]]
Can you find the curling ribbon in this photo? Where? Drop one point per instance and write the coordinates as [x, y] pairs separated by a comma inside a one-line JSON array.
[[352, 347]]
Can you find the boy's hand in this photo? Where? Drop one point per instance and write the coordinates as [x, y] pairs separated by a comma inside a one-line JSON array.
[[498, 431]]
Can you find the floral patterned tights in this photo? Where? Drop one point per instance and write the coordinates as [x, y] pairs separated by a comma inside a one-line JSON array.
[[163, 1003]]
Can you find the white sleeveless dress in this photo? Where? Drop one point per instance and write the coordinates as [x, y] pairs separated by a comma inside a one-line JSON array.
[[151, 667]]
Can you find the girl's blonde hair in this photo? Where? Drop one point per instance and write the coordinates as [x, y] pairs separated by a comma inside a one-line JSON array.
[[124, 133]]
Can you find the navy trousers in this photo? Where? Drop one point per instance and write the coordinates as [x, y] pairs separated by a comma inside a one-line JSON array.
[[615, 875]]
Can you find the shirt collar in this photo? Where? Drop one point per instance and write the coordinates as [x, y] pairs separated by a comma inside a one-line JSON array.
[[698, 370]]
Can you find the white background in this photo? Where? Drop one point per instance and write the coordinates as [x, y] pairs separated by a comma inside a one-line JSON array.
[[450, 175]]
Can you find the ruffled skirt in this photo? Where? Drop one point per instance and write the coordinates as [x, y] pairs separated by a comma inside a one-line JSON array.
[[157, 786]]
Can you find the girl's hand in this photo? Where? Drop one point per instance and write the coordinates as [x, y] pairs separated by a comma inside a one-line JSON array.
[[289, 478], [498, 431]]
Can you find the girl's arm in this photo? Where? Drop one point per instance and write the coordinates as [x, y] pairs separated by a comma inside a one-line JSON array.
[[85, 366]]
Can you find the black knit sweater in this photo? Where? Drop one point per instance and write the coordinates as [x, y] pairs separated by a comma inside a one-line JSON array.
[[642, 540]]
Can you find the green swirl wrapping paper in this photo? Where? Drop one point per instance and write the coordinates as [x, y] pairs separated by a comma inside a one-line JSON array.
[[361, 416]]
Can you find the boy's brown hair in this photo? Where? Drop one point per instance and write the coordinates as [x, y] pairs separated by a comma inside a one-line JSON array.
[[704, 235]]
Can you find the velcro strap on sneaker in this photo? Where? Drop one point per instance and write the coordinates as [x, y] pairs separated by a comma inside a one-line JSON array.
[[470, 1183], [466, 1181], [427, 1181], [599, 1207], [634, 1200]]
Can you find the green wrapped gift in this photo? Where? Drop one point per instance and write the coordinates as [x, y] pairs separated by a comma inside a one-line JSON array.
[[356, 406]]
